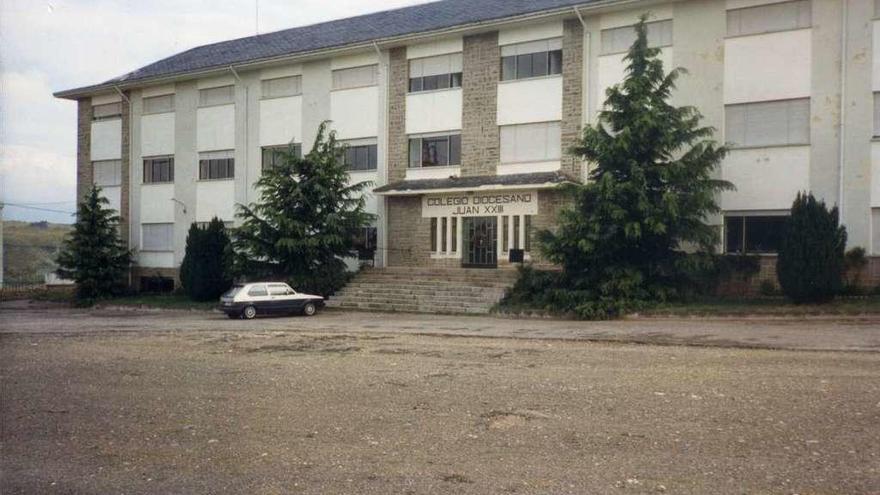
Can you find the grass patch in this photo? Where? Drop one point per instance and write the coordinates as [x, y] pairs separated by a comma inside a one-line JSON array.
[[160, 301]]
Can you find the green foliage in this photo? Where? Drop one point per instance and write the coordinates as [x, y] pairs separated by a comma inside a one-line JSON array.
[[302, 225], [206, 270], [811, 256], [649, 192], [93, 255]]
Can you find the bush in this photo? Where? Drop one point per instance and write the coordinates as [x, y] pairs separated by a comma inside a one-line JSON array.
[[811, 255], [206, 267]]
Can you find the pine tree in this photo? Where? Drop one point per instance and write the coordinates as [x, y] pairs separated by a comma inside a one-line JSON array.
[[93, 255], [810, 263], [649, 193], [304, 222], [206, 270]]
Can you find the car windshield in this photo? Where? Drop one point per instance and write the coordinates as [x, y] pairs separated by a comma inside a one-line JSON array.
[[232, 291]]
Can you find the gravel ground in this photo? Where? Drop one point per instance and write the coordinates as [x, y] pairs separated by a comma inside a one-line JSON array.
[[251, 410]]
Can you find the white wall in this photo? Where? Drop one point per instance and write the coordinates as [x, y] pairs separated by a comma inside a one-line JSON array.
[[215, 198], [530, 100], [530, 32], [433, 172], [355, 112], [765, 178], [281, 121], [631, 17], [433, 111], [370, 198], [876, 57], [764, 67], [156, 204], [875, 176], [612, 70], [156, 259], [113, 195], [528, 168], [437, 47], [356, 60], [157, 134], [106, 140], [215, 128], [105, 98]]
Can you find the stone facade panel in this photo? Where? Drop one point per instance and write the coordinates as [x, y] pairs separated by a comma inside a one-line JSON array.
[[480, 139], [572, 93], [398, 144]]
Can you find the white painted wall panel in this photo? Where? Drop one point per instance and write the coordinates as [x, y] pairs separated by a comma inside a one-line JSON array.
[[281, 121], [216, 82], [530, 100], [875, 176], [371, 205], [164, 89], [106, 98], [355, 112], [764, 67], [106, 140], [741, 4], [433, 111], [157, 134], [612, 70], [281, 71], [432, 172], [875, 83], [528, 168], [438, 47], [155, 259], [156, 204], [630, 17], [765, 178], [530, 32], [215, 128], [113, 195], [357, 60], [215, 198]]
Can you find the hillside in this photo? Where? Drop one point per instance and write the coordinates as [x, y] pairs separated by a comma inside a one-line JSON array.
[[29, 249]]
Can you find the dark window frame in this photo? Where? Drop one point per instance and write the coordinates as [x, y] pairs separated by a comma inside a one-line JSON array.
[[158, 170], [427, 146], [550, 62], [217, 168], [739, 240], [360, 157], [275, 153]]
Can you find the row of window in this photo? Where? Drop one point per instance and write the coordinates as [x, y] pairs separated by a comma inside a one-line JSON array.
[[515, 233]]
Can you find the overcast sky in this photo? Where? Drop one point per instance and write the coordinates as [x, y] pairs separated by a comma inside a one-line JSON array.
[[46, 46]]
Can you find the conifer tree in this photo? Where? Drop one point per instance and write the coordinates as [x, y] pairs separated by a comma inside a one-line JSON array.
[[93, 255], [206, 270], [304, 221], [649, 193], [810, 263]]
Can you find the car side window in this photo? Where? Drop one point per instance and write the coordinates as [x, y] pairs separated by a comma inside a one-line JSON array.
[[278, 290], [257, 290]]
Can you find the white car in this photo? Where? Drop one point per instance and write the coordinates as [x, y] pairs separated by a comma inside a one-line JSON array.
[[264, 298]]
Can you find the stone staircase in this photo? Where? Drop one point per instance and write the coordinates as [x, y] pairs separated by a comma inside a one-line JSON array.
[[425, 290]]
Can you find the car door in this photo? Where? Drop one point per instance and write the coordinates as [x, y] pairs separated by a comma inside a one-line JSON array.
[[281, 297], [258, 296]]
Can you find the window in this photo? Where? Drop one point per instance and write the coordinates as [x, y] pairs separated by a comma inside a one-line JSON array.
[[619, 40], [279, 290], [436, 151], [258, 291], [157, 236], [107, 111], [360, 156], [158, 169], [532, 59], [226, 225], [365, 242], [223, 95], [355, 77], [771, 123], [159, 104], [769, 18], [281, 87], [877, 112], [527, 228], [274, 155], [433, 234], [505, 245], [753, 234], [430, 73], [157, 284], [217, 165], [531, 142], [107, 173], [454, 234]]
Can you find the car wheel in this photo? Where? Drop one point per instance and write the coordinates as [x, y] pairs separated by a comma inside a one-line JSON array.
[[310, 309], [249, 313]]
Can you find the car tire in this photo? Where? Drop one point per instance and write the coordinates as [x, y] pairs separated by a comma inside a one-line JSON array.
[[309, 309], [249, 312]]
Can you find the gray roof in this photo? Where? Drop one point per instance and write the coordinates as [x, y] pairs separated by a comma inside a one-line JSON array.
[[473, 182], [333, 34]]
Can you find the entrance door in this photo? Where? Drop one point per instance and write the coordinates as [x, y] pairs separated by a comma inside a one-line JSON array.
[[480, 242]]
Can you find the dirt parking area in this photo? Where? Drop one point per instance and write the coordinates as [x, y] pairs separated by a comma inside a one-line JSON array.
[[129, 406]]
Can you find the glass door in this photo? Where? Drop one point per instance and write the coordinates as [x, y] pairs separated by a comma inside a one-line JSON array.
[[480, 242]]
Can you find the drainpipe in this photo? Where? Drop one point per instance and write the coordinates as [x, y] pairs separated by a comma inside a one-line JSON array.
[[841, 166], [247, 182]]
